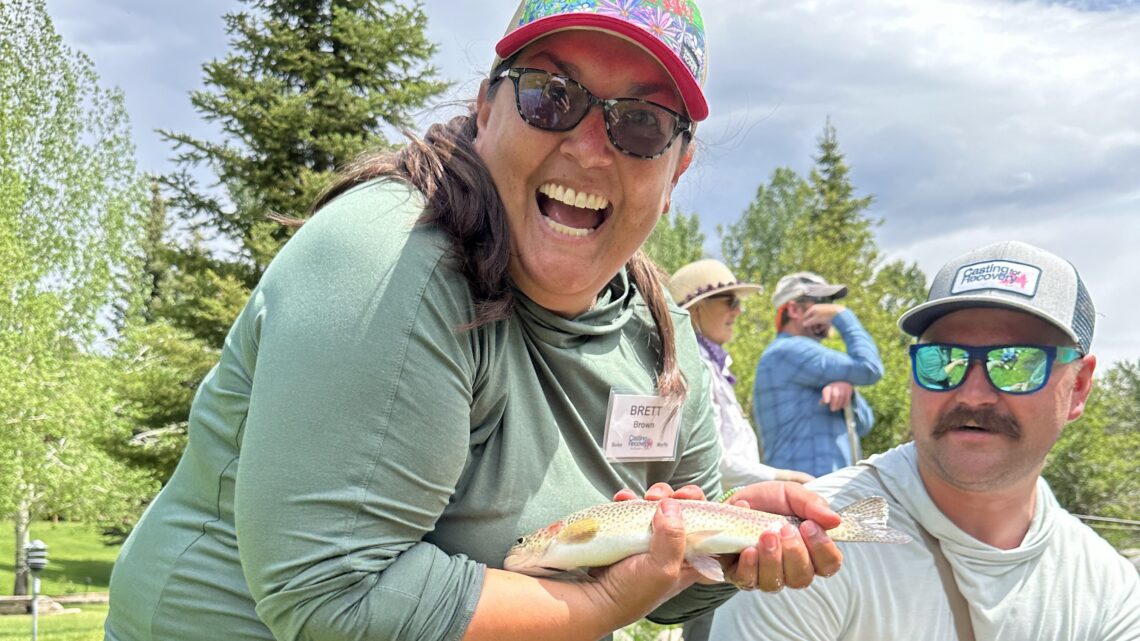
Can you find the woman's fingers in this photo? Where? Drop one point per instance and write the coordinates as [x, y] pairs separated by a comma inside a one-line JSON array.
[[625, 495], [659, 491]]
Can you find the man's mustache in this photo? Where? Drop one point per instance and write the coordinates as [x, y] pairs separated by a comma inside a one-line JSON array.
[[987, 419]]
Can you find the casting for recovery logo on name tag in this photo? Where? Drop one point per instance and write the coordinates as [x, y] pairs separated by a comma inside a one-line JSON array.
[[641, 427]]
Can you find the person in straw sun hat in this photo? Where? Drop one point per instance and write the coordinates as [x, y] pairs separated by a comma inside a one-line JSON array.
[[714, 299]]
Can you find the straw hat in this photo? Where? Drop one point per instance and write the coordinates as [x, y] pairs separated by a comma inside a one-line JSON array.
[[708, 277]]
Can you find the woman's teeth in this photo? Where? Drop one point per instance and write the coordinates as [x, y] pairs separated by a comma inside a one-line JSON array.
[[567, 231], [568, 196]]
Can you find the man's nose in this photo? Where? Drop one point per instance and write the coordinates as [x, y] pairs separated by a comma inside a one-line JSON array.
[[976, 388]]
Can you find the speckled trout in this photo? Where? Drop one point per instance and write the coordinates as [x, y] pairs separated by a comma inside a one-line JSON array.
[[607, 533]]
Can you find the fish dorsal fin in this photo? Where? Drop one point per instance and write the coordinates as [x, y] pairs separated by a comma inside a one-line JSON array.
[[581, 531]]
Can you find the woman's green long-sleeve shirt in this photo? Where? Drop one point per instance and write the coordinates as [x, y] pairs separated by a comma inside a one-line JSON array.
[[356, 458]]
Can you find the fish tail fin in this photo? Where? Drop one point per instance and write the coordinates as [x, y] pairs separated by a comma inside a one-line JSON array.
[[866, 520]]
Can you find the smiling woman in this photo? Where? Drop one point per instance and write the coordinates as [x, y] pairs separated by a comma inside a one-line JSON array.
[[451, 352]]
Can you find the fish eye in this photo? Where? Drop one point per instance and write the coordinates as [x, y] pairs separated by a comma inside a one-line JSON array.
[[519, 541]]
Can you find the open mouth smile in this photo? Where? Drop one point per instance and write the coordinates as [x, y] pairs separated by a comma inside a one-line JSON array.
[[571, 213]]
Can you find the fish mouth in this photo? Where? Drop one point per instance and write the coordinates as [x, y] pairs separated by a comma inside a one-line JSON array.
[[524, 564], [570, 212]]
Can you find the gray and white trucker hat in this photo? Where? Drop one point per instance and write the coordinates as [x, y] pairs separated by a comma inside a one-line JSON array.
[[809, 284], [1012, 275]]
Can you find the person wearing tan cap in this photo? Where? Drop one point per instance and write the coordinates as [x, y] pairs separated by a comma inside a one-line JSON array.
[[715, 299], [464, 344], [804, 399]]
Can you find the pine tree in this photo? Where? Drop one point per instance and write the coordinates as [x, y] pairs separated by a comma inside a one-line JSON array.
[[309, 85], [819, 225], [754, 245], [158, 365]]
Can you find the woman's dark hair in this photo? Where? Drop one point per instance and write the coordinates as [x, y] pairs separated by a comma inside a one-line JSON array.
[[463, 202]]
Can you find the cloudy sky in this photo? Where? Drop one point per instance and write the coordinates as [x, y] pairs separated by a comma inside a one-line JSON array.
[[969, 121]]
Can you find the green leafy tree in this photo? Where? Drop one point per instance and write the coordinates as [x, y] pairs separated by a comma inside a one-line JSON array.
[[676, 241], [754, 244], [70, 205], [1092, 467]]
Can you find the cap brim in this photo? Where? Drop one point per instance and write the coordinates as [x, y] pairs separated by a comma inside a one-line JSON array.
[[741, 289], [834, 292], [695, 104], [917, 320]]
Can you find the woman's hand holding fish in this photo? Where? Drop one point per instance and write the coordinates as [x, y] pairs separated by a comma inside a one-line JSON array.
[[638, 584], [791, 558]]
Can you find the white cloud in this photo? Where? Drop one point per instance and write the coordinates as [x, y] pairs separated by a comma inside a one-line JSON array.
[[1101, 244], [968, 120]]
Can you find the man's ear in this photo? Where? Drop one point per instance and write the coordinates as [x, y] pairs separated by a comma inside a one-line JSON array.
[[1081, 387], [795, 311]]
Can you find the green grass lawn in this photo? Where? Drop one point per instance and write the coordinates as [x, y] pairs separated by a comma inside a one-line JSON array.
[[78, 561], [75, 554], [84, 626]]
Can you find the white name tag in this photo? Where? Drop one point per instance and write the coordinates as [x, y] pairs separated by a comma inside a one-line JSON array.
[[997, 274], [641, 428]]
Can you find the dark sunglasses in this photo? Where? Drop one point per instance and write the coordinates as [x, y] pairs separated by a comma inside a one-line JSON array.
[[554, 102], [1013, 369], [734, 303]]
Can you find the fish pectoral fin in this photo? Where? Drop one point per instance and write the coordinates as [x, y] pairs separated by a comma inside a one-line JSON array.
[[694, 539], [577, 574], [708, 566], [579, 531]]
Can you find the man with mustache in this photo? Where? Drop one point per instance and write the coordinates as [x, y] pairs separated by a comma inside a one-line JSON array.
[[1001, 366], [804, 400]]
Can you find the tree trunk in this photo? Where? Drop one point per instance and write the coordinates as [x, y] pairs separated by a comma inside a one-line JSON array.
[[23, 521]]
